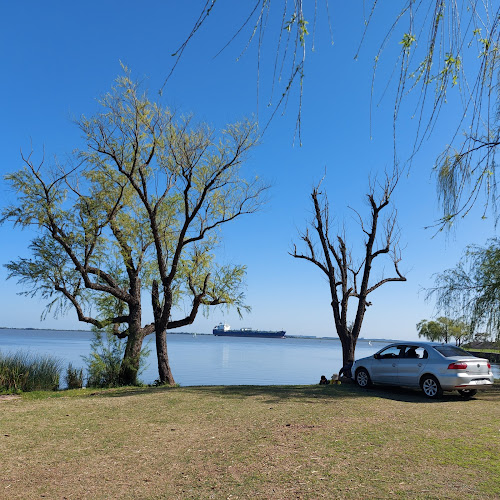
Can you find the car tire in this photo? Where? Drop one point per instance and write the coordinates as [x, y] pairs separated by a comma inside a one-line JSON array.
[[363, 378], [467, 393], [431, 387]]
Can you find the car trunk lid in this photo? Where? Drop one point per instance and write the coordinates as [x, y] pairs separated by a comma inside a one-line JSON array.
[[475, 366]]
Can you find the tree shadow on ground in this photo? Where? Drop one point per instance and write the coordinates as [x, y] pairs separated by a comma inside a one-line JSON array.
[[276, 393], [272, 392], [331, 392], [407, 395]]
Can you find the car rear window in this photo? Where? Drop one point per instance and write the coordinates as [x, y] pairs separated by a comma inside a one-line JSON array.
[[450, 351]]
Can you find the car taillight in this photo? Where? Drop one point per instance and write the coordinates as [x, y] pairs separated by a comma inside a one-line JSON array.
[[457, 366], [489, 366]]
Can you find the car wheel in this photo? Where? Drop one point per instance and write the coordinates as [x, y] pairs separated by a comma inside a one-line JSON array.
[[363, 378], [467, 393], [431, 387]]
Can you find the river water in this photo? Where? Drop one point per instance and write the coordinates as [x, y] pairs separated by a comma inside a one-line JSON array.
[[207, 359]]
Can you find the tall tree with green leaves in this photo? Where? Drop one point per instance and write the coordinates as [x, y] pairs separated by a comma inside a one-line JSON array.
[[472, 288], [444, 329], [138, 210]]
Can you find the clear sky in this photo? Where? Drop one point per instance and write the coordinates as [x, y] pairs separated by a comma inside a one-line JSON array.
[[57, 58]]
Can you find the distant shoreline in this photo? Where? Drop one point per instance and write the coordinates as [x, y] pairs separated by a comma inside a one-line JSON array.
[[44, 329], [305, 337]]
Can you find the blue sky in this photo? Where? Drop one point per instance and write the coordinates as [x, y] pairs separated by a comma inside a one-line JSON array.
[[57, 58]]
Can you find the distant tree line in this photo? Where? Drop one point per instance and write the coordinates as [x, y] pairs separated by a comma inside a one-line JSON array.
[[469, 292]]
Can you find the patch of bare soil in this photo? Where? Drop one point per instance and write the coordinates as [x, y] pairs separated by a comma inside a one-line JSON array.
[[8, 397]]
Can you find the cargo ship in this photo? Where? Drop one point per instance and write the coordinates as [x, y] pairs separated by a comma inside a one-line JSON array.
[[224, 330]]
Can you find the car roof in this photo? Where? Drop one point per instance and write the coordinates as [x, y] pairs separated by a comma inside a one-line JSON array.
[[416, 343]]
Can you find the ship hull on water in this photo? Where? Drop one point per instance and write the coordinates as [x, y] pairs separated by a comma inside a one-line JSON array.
[[249, 333]]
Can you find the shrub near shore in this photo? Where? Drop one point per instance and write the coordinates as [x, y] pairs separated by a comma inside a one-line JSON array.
[[28, 372]]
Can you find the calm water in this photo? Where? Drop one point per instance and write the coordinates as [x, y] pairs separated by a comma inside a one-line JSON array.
[[209, 360]]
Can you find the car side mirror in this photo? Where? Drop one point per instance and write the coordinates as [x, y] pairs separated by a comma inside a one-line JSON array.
[[376, 356]]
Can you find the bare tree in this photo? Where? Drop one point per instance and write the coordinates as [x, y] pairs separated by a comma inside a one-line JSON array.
[[347, 278]]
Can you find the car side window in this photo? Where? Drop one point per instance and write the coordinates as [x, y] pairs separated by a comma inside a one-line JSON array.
[[390, 352], [414, 352], [410, 352]]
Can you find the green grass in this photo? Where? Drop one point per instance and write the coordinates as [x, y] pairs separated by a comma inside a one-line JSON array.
[[278, 442]]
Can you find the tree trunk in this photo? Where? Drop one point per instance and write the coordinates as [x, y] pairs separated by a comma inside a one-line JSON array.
[[131, 358], [164, 371], [130, 363], [348, 342], [161, 316]]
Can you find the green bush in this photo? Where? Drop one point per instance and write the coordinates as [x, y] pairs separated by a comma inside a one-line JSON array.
[[74, 377], [105, 359], [29, 372]]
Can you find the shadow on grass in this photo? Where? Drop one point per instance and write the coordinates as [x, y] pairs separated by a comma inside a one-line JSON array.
[[272, 393], [407, 395], [344, 391], [275, 393]]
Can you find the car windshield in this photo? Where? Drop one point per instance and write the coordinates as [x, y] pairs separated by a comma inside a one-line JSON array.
[[450, 351]]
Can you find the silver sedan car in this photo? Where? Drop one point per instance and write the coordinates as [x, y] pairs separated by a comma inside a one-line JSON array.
[[431, 366]]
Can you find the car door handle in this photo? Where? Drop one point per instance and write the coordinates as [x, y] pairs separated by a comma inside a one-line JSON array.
[[420, 364], [394, 365]]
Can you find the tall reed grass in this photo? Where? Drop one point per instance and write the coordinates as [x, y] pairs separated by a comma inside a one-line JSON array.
[[26, 372]]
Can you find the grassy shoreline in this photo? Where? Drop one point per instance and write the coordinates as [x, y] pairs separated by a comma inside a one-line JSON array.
[[490, 350], [260, 442]]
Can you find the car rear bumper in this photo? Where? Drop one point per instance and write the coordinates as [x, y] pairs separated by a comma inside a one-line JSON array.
[[465, 381]]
